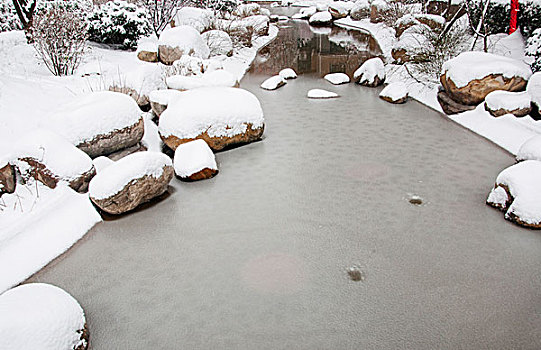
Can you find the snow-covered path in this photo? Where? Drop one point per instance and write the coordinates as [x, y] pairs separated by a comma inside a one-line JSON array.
[[257, 257]]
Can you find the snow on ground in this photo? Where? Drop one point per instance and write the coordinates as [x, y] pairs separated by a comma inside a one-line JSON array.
[[218, 77], [321, 94], [530, 150], [192, 157]]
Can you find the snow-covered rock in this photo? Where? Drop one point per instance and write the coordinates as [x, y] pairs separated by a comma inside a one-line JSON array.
[[378, 10], [194, 161], [321, 94], [147, 49], [41, 316], [394, 93], [273, 83], [181, 40], [50, 158], [410, 47], [320, 18], [501, 102], [434, 22], [219, 77], [221, 116], [100, 122], [371, 73], [337, 78], [259, 23], [471, 76], [534, 89], [139, 82], [404, 23], [360, 10], [247, 10], [219, 42], [159, 99], [101, 163], [305, 13], [288, 73], [195, 17], [517, 192], [530, 150], [340, 9], [131, 181]]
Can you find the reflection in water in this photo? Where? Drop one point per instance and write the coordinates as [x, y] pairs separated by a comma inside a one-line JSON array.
[[315, 50]]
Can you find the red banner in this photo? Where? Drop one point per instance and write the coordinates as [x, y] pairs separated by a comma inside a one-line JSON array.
[[514, 15]]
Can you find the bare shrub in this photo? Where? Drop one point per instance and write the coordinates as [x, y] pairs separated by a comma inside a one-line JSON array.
[[59, 35], [161, 12]]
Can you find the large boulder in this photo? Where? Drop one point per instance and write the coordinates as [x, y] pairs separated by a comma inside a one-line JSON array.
[[517, 192], [147, 50], [198, 18], [50, 159], [41, 316], [131, 181], [340, 9], [221, 116], [395, 93], [471, 76], [7, 177], [219, 42], [360, 10], [500, 102], [159, 99], [371, 73], [534, 89], [181, 40], [411, 47], [450, 106], [404, 23], [434, 22], [320, 19], [100, 123], [194, 161]]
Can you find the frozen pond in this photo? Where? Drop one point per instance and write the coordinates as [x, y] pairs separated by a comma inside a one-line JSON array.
[[258, 257]]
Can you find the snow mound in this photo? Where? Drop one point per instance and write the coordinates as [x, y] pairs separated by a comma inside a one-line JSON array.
[[305, 13], [273, 83], [95, 113], [320, 18], [149, 44], [534, 88], [198, 18], [369, 71], [40, 316], [193, 157], [474, 65], [101, 162], [218, 77], [523, 190], [337, 78], [320, 93], [530, 150], [506, 100], [288, 73], [163, 97], [219, 42], [394, 93], [116, 176], [186, 39], [218, 111]]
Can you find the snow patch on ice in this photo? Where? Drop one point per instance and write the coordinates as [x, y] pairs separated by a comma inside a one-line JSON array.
[[337, 78], [320, 93]]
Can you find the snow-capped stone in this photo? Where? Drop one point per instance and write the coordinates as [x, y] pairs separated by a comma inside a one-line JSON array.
[[320, 18], [139, 82], [471, 76], [434, 22], [321, 94], [378, 11], [322, 6], [101, 163], [131, 181], [159, 99], [219, 77], [522, 188], [530, 150], [501, 102], [394, 93], [246, 10], [404, 23], [534, 89], [195, 17], [337, 78], [41, 316], [221, 116], [219, 42], [360, 10], [147, 49], [410, 47], [194, 161], [371, 73], [305, 13], [259, 23], [287, 73], [177, 41], [273, 83], [340, 9], [50, 158], [100, 122]]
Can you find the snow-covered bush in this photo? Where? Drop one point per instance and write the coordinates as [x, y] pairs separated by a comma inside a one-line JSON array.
[[59, 34], [221, 6], [8, 17], [533, 49], [159, 13], [119, 23]]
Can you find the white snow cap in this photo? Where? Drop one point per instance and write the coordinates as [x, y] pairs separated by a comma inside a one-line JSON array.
[[218, 41], [219, 111], [40, 316], [337, 78], [305, 13], [530, 150], [219, 77], [320, 18], [273, 83], [192, 157], [163, 97], [288, 73], [116, 176], [185, 38], [534, 88], [395, 91], [508, 100], [101, 163], [95, 113], [474, 65], [149, 44], [319, 93], [195, 17], [369, 70]]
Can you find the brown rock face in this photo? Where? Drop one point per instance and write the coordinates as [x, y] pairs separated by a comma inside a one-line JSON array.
[[142, 100], [157, 108], [114, 141], [136, 192], [127, 151], [204, 174], [476, 90], [377, 15], [402, 56], [336, 13], [430, 22], [7, 179], [167, 54], [85, 335], [147, 56], [390, 100], [218, 143], [450, 106], [519, 112]]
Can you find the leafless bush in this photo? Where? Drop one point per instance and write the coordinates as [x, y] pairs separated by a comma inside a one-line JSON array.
[[161, 12], [398, 9], [59, 35]]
